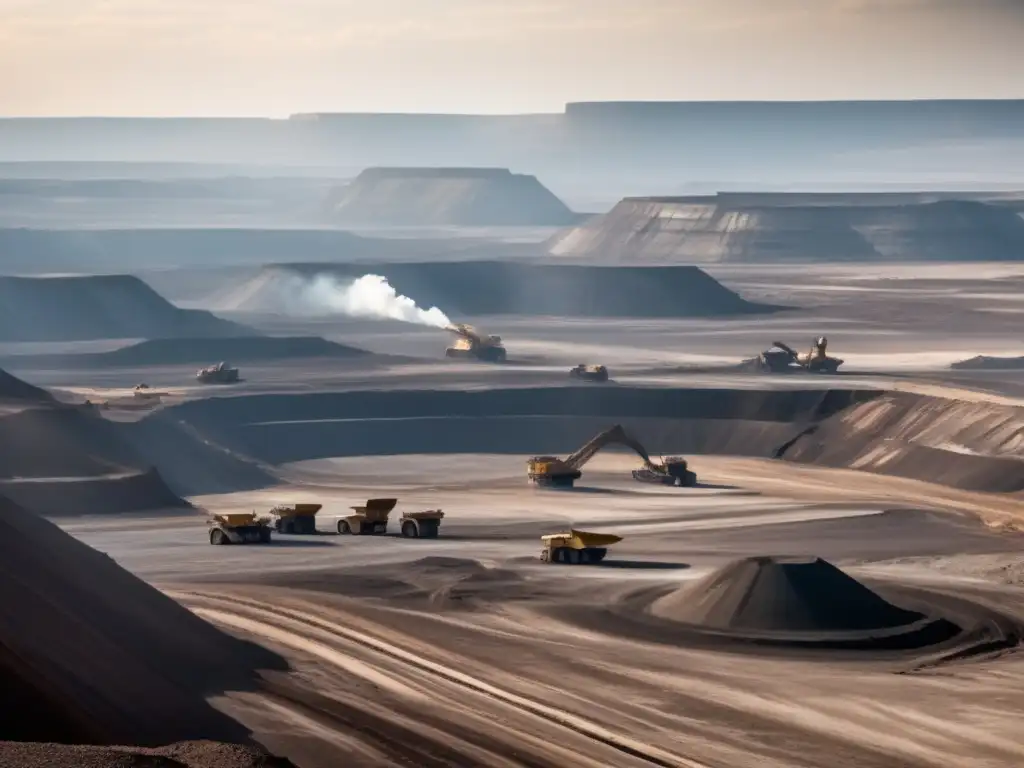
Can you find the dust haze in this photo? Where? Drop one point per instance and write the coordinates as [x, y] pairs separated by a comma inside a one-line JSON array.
[[828, 554], [368, 297]]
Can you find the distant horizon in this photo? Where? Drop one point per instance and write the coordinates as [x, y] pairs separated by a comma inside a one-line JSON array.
[[537, 113], [154, 58]]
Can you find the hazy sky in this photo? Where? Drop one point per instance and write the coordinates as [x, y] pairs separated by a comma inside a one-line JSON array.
[[274, 57]]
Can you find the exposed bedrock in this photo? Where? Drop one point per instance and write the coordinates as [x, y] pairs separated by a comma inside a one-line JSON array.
[[767, 228]]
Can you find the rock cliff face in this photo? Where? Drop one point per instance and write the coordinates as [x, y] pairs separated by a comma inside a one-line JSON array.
[[813, 228], [971, 445]]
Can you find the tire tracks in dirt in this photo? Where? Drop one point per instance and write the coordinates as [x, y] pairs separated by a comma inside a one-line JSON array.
[[542, 735]]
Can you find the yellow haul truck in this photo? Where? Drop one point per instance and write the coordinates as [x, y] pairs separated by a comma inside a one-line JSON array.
[[575, 547], [239, 528], [296, 518], [372, 518]]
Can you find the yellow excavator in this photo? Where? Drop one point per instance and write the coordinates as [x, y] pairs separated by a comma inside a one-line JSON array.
[[474, 344], [552, 471]]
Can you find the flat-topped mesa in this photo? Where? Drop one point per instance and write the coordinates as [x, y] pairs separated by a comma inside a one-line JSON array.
[[477, 288], [779, 227], [81, 308], [448, 197], [398, 172]]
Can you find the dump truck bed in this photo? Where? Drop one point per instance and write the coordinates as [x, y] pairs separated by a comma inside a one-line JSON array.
[[581, 539], [297, 509], [377, 505], [235, 519], [374, 509]]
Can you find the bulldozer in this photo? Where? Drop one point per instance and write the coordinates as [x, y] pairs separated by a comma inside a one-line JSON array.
[[239, 528], [551, 471], [297, 518], [473, 344], [589, 372], [575, 547], [372, 518], [780, 358], [221, 373]]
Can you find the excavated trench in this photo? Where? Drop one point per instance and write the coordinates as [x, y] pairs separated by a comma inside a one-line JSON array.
[[975, 446]]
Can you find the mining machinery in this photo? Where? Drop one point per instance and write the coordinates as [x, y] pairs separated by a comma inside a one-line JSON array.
[[295, 518], [589, 372], [780, 358], [552, 471], [575, 547], [221, 373], [239, 528], [372, 518], [473, 344]]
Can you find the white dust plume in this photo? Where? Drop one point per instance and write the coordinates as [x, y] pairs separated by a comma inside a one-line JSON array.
[[370, 296]]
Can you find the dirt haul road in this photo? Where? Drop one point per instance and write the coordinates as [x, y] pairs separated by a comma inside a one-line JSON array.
[[467, 651]]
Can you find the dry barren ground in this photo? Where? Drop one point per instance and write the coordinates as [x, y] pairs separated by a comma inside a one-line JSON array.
[[467, 651]]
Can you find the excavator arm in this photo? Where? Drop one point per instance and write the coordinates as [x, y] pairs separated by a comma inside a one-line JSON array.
[[615, 435], [786, 348], [465, 331]]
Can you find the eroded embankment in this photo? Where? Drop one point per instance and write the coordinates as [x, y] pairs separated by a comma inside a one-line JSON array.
[[284, 428], [986, 363], [107, 494], [61, 459], [773, 228], [91, 654], [969, 445]]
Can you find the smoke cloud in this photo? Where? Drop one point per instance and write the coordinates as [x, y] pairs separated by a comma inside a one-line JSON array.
[[370, 296]]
